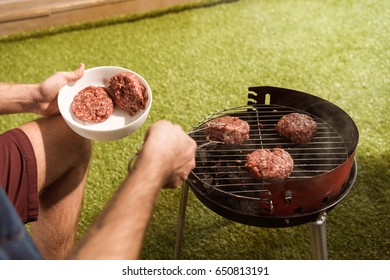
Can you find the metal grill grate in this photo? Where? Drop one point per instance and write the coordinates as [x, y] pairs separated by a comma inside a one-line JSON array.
[[221, 167]]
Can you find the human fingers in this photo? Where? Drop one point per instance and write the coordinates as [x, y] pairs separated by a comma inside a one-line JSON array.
[[168, 143], [166, 134], [183, 164], [73, 76], [54, 83], [48, 90], [179, 178]]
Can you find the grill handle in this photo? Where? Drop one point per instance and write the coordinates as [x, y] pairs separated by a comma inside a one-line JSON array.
[[317, 106]]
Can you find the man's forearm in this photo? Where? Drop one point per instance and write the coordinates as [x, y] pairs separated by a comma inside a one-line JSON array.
[[168, 155], [119, 232], [18, 98]]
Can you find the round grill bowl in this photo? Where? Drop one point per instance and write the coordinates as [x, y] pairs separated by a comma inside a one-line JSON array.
[[273, 221]]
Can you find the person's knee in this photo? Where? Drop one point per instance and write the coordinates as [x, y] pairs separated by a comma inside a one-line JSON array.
[[80, 149], [84, 151], [57, 147]]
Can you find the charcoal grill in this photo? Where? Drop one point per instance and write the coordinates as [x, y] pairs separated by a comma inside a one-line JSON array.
[[324, 169]]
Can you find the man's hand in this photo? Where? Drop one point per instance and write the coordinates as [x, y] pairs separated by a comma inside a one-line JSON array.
[[169, 145], [46, 99]]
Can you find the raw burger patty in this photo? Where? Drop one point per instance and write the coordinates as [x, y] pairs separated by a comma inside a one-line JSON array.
[[230, 130], [270, 165], [92, 104], [296, 127], [127, 92]]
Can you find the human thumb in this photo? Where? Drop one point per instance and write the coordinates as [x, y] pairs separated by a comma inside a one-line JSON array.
[[76, 74]]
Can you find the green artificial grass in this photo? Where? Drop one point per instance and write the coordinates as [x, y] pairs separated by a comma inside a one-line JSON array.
[[201, 58]]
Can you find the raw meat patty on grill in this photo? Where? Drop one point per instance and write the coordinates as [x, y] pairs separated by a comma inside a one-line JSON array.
[[270, 165], [92, 104], [128, 92], [230, 130], [296, 127]]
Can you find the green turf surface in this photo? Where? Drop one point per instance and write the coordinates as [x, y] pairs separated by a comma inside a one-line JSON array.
[[202, 58]]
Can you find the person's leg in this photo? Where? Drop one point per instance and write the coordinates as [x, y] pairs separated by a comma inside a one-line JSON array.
[[62, 163]]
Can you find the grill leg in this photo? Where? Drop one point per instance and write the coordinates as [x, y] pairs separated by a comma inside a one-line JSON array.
[[180, 223], [319, 248]]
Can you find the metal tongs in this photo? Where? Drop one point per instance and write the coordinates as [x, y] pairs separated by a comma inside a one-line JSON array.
[[209, 142], [133, 157]]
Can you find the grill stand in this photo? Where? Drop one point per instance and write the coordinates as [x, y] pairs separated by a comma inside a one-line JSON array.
[[181, 221], [317, 231], [317, 228]]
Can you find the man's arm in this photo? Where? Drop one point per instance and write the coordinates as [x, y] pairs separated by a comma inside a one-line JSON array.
[[38, 98], [18, 98], [166, 160]]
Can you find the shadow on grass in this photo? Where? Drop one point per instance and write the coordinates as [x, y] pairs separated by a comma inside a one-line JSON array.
[[358, 227]]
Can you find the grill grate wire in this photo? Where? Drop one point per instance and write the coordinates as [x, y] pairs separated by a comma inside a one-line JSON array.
[[220, 167]]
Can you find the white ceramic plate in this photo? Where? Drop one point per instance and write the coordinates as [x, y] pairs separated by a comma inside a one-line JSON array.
[[120, 124]]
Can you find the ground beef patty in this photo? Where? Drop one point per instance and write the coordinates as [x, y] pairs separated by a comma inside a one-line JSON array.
[[296, 127], [92, 104], [270, 165], [230, 130], [128, 92]]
